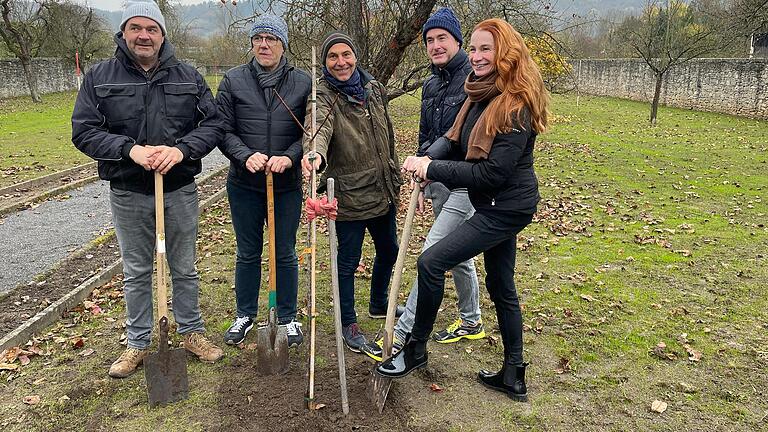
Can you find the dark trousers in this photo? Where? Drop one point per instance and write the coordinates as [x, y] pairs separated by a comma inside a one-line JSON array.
[[495, 235], [249, 217], [383, 230]]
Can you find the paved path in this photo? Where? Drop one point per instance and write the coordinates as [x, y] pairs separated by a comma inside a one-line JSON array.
[[33, 240]]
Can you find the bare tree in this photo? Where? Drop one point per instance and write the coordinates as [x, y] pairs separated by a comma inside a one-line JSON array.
[[667, 35], [71, 27], [21, 31]]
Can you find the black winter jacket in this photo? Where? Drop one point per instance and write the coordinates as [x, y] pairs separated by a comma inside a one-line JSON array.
[[257, 121], [118, 107], [442, 96], [506, 180]]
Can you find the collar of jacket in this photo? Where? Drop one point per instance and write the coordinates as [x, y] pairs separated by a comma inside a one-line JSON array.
[[365, 79], [166, 58], [458, 62]]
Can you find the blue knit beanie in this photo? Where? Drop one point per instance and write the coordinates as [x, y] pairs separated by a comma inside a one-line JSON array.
[[444, 19], [272, 24], [146, 9]]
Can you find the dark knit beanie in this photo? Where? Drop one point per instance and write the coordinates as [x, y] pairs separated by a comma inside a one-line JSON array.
[[444, 19], [334, 38]]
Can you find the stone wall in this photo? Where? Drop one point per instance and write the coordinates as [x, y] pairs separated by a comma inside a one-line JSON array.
[[731, 86], [53, 75]]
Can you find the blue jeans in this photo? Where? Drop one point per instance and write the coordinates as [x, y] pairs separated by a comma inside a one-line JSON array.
[[383, 230], [249, 216], [451, 208], [133, 215], [495, 235]]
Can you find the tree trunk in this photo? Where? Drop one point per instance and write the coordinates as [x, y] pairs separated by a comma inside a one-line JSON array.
[[656, 96], [356, 29], [26, 64], [409, 27]]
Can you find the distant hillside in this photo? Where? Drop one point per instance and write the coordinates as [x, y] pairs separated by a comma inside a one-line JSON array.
[[206, 18]]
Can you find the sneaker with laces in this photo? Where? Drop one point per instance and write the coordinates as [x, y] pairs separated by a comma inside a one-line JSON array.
[[459, 330], [374, 350], [354, 339], [199, 345], [127, 363], [295, 336], [238, 330]]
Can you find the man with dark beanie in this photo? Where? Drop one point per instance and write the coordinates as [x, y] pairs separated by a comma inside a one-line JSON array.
[[441, 97], [356, 146]]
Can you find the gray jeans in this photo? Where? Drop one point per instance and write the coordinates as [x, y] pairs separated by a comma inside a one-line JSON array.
[[452, 208], [134, 218]]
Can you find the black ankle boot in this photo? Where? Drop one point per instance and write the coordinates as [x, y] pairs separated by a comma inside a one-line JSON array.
[[510, 380], [412, 356]]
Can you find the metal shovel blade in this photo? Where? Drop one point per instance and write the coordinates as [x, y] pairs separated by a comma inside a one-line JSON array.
[[272, 347], [166, 372], [380, 386]]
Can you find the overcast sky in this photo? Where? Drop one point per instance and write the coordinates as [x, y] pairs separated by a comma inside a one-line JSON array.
[[118, 4]]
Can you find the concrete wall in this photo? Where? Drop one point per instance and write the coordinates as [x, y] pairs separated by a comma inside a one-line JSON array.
[[53, 75], [732, 86]]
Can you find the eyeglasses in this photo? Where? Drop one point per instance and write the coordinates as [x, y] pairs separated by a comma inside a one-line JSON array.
[[270, 40]]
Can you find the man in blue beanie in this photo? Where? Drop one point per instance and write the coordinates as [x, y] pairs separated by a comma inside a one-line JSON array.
[[441, 98]]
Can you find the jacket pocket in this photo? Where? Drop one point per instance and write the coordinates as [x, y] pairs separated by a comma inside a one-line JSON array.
[[359, 191], [180, 100], [118, 102]]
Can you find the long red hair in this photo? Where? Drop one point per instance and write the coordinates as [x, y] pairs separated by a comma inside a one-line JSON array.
[[519, 81]]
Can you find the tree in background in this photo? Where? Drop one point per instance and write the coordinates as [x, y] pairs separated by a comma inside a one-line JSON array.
[[668, 34], [71, 27], [21, 30]]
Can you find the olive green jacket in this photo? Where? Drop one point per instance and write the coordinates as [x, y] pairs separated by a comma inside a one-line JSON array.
[[357, 144]]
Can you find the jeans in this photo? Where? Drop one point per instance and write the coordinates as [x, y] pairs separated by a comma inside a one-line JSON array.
[[249, 217], [133, 215], [495, 235], [383, 230], [452, 208]]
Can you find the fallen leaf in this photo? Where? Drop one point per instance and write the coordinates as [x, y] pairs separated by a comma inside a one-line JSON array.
[[63, 399], [86, 352], [563, 366], [24, 360], [31, 400], [435, 388], [77, 342], [587, 297], [9, 366], [319, 406], [658, 406], [693, 355], [468, 350]]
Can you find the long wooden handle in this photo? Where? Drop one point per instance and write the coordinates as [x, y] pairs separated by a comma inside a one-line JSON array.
[[162, 289], [337, 304], [272, 251], [394, 289]]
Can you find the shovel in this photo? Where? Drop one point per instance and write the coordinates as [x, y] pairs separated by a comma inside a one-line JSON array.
[[272, 340], [380, 385], [166, 370]]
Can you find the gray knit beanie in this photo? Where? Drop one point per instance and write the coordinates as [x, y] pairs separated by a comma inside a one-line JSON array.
[[146, 9], [272, 24], [334, 38]]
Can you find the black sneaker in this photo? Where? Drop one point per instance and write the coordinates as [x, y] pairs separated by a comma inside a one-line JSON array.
[[375, 349], [382, 314], [295, 336], [238, 330], [459, 330], [353, 338]]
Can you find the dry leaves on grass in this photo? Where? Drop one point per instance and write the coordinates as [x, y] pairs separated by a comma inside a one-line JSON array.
[[658, 406], [435, 388], [31, 399], [563, 366]]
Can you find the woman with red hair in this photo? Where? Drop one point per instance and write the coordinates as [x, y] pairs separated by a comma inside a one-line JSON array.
[[489, 150]]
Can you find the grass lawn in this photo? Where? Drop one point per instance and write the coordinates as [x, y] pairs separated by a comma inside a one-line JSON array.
[[642, 279]]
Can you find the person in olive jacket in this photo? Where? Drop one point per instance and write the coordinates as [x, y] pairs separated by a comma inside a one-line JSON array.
[[356, 146], [260, 103], [492, 144], [139, 112]]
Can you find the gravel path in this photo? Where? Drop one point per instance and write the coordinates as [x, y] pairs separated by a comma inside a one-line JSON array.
[[33, 240]]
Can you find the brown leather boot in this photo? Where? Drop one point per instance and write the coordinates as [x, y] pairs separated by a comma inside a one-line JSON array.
[[127, 363], [200, 346]]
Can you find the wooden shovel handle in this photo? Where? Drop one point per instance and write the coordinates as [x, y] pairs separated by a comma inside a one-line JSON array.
[[162, 290], [272, 250]]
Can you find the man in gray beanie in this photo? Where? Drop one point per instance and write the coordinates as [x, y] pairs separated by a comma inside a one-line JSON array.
[[256, 101], [138, 113]]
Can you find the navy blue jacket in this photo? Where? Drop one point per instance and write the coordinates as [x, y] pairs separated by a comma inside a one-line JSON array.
[[442, 96], [256, 120], [119, 106]]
